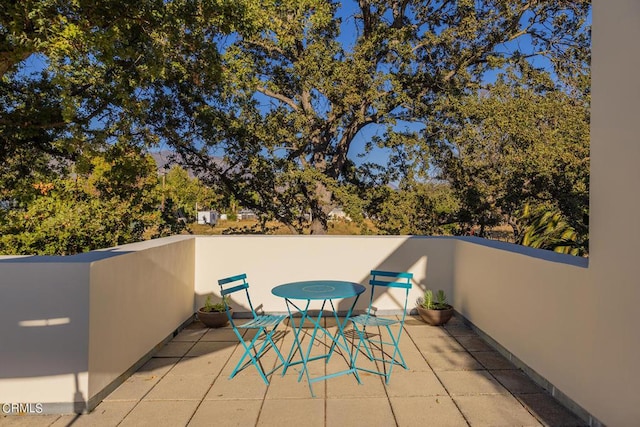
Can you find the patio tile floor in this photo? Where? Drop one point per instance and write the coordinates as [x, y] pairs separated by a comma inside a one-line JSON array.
[[454, 379]]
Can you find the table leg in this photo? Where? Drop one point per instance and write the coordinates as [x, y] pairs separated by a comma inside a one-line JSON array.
[[296, 332], [335, 340]]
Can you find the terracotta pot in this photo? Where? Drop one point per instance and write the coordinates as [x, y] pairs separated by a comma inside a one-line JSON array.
[[213, 319], [435, 317]]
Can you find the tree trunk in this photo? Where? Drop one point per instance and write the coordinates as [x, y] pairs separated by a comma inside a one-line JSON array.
[[317, 227], [321, 205]]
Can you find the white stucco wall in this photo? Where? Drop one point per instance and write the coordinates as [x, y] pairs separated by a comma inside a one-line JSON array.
[[136, 300], [44, 329], [613, 388], [536, 304], [273, 260], [69, 326]]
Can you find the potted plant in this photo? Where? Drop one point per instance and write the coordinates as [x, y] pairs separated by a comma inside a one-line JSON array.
[[434, 311], [214, 315]]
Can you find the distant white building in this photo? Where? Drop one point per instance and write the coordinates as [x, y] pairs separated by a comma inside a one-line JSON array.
[[246, 214], [338, 213], [208, 217]]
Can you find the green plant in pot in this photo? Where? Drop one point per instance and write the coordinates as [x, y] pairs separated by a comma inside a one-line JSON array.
[[434, 309], [214, 315]]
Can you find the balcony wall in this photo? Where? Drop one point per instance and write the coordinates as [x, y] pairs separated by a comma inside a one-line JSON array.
[[44, 330], [539, 307], [70, 327], [273, 260]]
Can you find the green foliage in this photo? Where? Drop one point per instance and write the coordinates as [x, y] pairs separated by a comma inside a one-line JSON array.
[[112, 72], [522, 141], [428, 301], [286, 98], [219, 306], [111, 200], [545, 229], [418, 209], [185, 192], [296, 95]]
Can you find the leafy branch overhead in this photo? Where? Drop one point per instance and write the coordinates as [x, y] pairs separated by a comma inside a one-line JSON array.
[[480, 107], [298, 92]]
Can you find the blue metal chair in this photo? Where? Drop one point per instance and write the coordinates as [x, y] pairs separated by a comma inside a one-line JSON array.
[[264, 325], [381, 280]]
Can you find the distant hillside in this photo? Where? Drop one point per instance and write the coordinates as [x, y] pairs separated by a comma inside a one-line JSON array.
[[164, 160]]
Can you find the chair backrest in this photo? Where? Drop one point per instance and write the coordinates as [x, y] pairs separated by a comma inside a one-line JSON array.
[[232, 284], [390, 279]]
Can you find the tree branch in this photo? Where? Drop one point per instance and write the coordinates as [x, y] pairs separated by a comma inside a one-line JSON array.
[[284, 99]]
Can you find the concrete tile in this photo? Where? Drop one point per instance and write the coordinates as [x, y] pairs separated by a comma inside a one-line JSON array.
[[407, 344], [239, 387], [413, 383], [459, 329], [422, 331], [439, 345], [470, 383], [347, 387], [517, 382], [382, 361], [202, 348], [413, 320], [548, 411], [340, 362], [473, 343], [316, 367], [160, 413], [180, 387], [157, 366], [106, 414], [436, 411], [31, 420], [455, 320], [227, 413], [189, 335], [359, 412], [222, 334], [493, 360], [134, 388], [414, 359], [196, 324], [288, 387], [363, 363], [174, 349], [284, 412], [452, 361], [267, 360], [209, 365], [494, 411]]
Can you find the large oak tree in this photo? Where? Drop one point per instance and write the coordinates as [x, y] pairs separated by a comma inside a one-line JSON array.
[[296, 94]]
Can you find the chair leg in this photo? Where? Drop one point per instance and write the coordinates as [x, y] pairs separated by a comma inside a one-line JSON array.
[[255, 355], [362, 337], [396, 352], [395, 358]]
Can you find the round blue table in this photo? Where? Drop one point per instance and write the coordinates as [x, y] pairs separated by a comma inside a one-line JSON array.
[[315, 290], [318, 290]]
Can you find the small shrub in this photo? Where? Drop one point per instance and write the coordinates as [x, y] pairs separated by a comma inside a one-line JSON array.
[[219, 306]]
